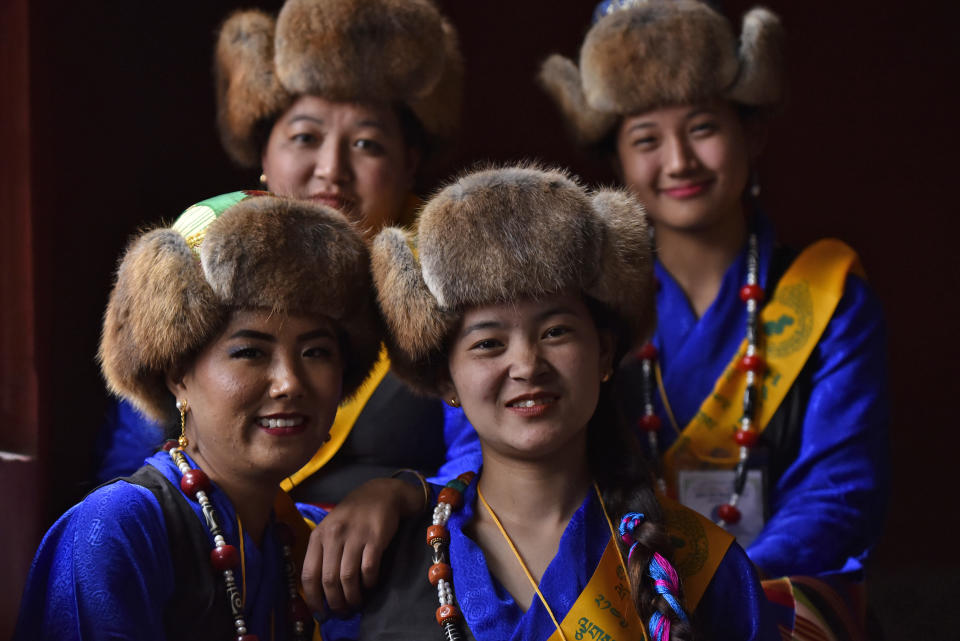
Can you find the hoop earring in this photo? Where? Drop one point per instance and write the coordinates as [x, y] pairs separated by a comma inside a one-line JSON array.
[[182, 441]]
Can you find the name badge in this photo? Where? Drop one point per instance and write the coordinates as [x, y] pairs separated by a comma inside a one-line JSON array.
[[706, 490]]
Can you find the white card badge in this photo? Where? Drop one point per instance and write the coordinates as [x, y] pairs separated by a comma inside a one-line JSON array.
[[705, 490]]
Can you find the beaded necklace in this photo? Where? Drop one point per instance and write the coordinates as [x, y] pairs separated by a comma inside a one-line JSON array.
[[438, 538], [225, 558], [751, 363], [440, 574]]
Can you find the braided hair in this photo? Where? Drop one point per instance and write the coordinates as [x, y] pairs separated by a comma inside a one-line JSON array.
[[624, 476]]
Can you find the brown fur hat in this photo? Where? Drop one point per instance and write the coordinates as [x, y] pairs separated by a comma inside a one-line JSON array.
[[505, 234], [263, 252], [348, 50], [656, 53]]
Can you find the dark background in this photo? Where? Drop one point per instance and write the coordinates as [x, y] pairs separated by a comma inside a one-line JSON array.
[[108, 125]]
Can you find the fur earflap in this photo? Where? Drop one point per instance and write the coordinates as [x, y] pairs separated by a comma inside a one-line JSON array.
[[665, 52], [498, 235], [392, 51], [161, 309], [261, 253], [248, 92], [560, 77]]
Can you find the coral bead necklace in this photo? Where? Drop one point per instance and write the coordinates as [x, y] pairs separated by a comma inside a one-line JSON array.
[[225, 558], [751, 364]]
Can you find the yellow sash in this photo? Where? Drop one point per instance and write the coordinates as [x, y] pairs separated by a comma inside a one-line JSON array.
[[342, 425], [604, 610], [793, 321]]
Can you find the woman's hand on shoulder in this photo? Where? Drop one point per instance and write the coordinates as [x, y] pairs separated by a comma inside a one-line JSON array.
[[345, 549]]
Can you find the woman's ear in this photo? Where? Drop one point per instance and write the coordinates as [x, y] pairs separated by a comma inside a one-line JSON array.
[[175, 383], [447, 389]]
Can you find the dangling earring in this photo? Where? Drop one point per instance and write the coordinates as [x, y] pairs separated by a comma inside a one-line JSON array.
[[755, 183], [454, 401], [263, 180], [182, 441]]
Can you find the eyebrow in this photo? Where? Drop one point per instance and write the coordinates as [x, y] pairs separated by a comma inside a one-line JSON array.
[[640, 125], [307, 117], [375, 124], [490, 324], [481, 325], [270, 338]]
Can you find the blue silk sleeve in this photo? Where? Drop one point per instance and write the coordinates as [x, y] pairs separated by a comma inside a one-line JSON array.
[[126, 438], [828, 507], [463, 446], [103, 571], [734, 606]]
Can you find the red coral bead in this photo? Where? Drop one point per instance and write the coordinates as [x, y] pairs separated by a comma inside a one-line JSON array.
[[647, 353], [746, 438], [437, 533], [224, 557], [439, 571], [729, 513], [284, 534], [446, 613], [466, 477], [751, 363], [751, 292], [194, 481], [298, 610], [169, 444], [451, 496], [649, 423]]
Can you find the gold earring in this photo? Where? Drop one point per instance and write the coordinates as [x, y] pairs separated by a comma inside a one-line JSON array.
[[263, 179], [182, 441], [454, 402], [606, 376]]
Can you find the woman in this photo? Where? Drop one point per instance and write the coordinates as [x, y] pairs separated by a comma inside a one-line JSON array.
[[339, 102], [234, 324], [524, 292], [784, 352]]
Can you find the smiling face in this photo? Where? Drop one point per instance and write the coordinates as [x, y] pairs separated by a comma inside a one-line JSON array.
[[528, 374], [350, 156], [262, 395], [689, 165]]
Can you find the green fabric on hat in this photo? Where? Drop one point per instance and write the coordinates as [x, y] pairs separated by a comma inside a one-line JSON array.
[[193, 222]]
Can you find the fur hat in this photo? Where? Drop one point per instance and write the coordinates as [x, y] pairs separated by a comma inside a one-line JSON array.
[[384, 50], [504, 234], [176, 286], [652, 53]]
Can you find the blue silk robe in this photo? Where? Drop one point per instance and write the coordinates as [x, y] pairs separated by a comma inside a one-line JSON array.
[[827, 508], [104, 570]]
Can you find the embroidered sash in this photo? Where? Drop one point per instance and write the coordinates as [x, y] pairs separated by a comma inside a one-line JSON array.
[[604, 610], [342, 425], [793, 321]]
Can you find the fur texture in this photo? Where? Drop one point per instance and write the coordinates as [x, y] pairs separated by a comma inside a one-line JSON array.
[[664, 52], [346, 50], [263, 253], [504, 234], [248, 91]]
